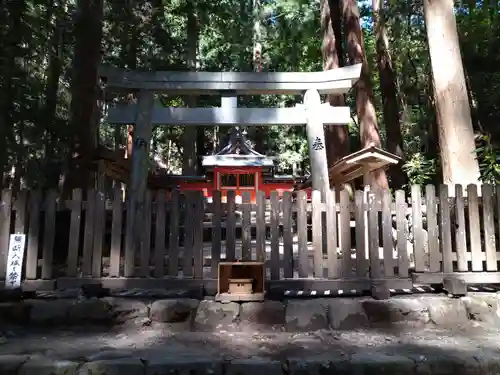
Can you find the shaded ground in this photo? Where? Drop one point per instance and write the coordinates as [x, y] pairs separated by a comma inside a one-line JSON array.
[[92, 343]]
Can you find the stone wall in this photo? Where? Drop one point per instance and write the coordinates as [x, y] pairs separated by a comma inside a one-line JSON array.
[[291, 315]]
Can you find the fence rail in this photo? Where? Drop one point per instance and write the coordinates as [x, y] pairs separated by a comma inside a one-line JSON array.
[[339, 242]]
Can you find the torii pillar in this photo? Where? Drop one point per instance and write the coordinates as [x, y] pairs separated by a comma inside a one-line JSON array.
[[316, 142], [139, 176]]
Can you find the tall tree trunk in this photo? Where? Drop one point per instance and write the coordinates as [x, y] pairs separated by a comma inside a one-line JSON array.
[[54, 71], [337, 137], [260, 131], [189, 136], [389, 95], [129, 39], [11, 44], [456, 134], [365, 109], [84, 90]]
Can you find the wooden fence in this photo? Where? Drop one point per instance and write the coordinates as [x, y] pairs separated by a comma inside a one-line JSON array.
[[340, 242]]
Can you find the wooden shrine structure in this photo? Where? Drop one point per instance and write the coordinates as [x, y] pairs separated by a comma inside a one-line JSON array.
[[238, 167]]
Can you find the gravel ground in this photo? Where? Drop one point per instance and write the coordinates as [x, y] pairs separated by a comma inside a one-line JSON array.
[[92, 343]]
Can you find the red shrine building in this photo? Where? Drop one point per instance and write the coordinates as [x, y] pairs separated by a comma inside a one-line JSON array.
[[240, 168]]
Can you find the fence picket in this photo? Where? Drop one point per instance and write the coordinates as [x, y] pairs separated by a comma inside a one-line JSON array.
[[401, 234], [99, 222], [189, 217], [49, 234], [419, 245], [474, 228], [387, 233], [231, 227], [116, 232], [246, 228], [34, 233], [74, 233], [275, 237], [373, 217], [144, 235], [160, 234], [331, 235], [5, 217], [303, 263], [199, 213], [317, 234], [432, 229], [445, 228], [489, 228], [460, 229], [173, 240], [345, 234], [88, 239], [216, 234], [362, 258], [261, 226], [287, 235], [497, 193]]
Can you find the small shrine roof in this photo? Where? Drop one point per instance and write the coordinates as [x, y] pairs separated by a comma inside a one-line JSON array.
[[356, 164], [238, 153]]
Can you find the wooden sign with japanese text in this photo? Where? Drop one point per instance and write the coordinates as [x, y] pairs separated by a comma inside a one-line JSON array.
[[15, 261]]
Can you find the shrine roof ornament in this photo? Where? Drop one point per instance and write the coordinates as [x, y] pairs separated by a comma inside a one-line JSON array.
[[238, 153]]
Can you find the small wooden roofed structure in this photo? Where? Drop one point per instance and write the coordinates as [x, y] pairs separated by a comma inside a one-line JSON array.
[[356, 165]]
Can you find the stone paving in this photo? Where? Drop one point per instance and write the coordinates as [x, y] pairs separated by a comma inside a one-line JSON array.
[[411, 335], [472, 349]]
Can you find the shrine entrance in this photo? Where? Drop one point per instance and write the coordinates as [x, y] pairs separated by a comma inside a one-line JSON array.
[[148, 112], [239, 180]]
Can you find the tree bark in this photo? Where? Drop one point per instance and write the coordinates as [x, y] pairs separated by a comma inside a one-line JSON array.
[[11, 42], [189, 135], [129, 39], [54, 71], [260, 132], [84, 90], [456, 134], [389, 96], [365, 109], [337, 137]]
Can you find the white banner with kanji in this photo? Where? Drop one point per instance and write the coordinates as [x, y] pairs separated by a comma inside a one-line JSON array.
[[15, 261]]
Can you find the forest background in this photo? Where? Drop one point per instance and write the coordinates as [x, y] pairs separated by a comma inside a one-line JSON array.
[[50, 51]]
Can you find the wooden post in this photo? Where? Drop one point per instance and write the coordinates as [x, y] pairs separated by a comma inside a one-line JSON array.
[[229, 99], [139, 175], [316, 141], [228, 103], [367, 201], [142, 139]]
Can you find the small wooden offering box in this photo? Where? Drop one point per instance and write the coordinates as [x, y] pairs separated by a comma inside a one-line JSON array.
[[240, 281], [240, 286]]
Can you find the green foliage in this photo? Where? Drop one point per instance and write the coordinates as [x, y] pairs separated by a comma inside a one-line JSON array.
[[420, 169], [37, 36], [489, 160]]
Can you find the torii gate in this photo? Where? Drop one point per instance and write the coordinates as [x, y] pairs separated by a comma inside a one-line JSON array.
[[228, 85]]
